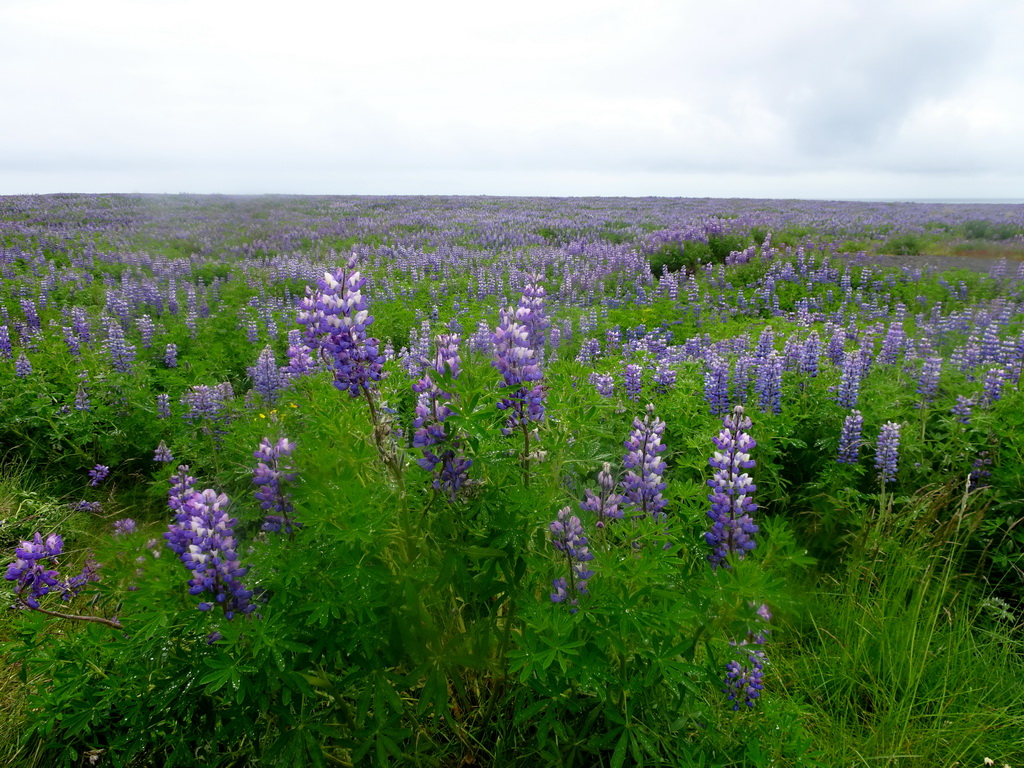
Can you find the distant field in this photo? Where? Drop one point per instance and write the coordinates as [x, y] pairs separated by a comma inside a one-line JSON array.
[[454, 481]]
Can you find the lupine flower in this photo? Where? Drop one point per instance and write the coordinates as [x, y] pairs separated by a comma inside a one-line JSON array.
[[732, 529], [162, 454], [992, 388], [963, 408], [849, 380], [850, 438], [171, 356], [163, 406], [530, 313], [590, 350], [888, 452], [632, 376], [604, 383], [22, 366], [272, 469], [203, 538], [182, 486], [769, 383], [98, 474], [567, 537], [124, 527], [266, 376], [442, 453], [6, 351], [810, 354], [29, 570], [81, 394], [744, 679], [716, 384], [146, 330], [122, 354], [336, 319], [928, 382], [521, 375], [664, 377], [642, 483], [606, 504], [979, 474]]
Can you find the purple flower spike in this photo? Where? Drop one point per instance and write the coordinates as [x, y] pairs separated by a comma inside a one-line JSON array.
[[336, 319], [642, 483], [850, 438], [606, 504], [732, 530], [34, 579], [888, 452], [203, 538], [272, 470], [98, 474], [567, 537]]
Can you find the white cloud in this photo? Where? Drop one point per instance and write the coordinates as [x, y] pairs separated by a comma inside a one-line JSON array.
[[859, 98]]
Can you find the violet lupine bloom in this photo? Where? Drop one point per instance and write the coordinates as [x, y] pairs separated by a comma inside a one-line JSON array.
[[664, 377], [162, 454], [34, 579], [716, 384], [22, 366], [768, 384], [98, 474], [273, 468], [992, 388], [963, 408], [604, 383], [642, 484], [590, 350], [81, 394], [744, 680], [567, 537], [520, 370], [163, 406], [849, 380], [336, 319], [606, 505], [928, 382], [266, 376], [124, 527], [442, 453], [122, 354], [171, 356], [6, 351], [887, 453], [182, 487], [850, 438], [530, 313], [203, 538], [810, 355], [732, 529], [632, 376], [72, 342]]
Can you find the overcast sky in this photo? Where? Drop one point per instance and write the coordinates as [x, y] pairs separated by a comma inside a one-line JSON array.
[[733, 98]]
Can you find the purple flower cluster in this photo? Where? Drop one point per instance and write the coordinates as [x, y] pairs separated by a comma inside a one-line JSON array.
[[744, 678], [266, 376], [605, 504], [124, 527], [604, 383], [716, 384], [732, 529], [202, 536], [442, 453], [272, 469], [98, 474], [336, 318], [887, 452], [850, 438], [642, 484], [520, 371], [162, 454], [34, 569], [567, 537]]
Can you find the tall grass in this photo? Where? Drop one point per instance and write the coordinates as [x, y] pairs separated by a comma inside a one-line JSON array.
[[902, 664]]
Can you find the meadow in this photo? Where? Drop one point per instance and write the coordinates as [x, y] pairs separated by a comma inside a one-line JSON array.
[[456, 481]]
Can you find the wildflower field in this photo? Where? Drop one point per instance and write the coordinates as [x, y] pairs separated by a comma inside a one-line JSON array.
[[347, 481]]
